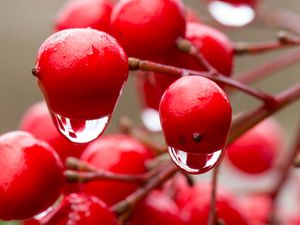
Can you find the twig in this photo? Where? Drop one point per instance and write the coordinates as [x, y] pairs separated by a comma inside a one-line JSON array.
[[124, 208], [283, 40], [270, 67], [126, 126], [247, 120], [145, 65], [88, 173]]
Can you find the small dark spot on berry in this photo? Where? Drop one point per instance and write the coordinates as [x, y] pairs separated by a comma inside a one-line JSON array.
[[34, 72], [197, 137], [182, 140]]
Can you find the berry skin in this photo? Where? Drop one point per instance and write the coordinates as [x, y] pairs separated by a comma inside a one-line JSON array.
[[31, 172], [196, 206], [257, 150], [241, 2], [148, 27], [80, 209], [195, 115], [81, 73], [156, 209], [83, 14], [37, 121], [120, 154], [31, 222]]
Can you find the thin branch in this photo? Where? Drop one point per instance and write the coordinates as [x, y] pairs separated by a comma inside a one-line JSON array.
[[247, 120], [145, 65], [125, 206], [88, 173], [270, 67], [283, 40], [126, 126]]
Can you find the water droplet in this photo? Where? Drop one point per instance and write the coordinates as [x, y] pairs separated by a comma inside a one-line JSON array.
[[230, 14], [80, 131], [151, 120], [194, 163]]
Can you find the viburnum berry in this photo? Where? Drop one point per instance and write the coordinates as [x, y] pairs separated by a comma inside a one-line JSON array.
[[196, 207], [121, 154], [233, 12], [31, 222], [156, 209], [37, 121], [31, 176], [195, 115], [256, 151], [145, 28], [215, 47], [80, 209], [83, 14], [81, 73]]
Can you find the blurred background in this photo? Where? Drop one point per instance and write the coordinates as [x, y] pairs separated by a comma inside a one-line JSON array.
[[24, 25]]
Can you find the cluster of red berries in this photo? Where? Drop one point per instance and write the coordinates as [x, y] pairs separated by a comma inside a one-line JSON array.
[[81, 70]]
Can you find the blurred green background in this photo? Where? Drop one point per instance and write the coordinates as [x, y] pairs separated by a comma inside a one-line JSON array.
[[24, 25]]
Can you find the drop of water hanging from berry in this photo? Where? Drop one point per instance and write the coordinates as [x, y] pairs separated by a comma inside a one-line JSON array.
[[151, 120], [194, 163], [232, 14], [80, 130]]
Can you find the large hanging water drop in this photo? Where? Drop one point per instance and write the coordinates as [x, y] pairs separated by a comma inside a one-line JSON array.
[[151, 120], [194, 163], [232, 14], [80, 130]]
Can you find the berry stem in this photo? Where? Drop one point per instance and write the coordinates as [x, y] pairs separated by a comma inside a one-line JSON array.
[[88, 173], [126, 126], [247, 120], [125, 207], [283, 40], [145, 65], [270, 67]]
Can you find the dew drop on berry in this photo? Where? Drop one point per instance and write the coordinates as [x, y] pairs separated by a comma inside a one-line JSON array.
[[194, 163], [79, 130], [230, 14], [151, 120]]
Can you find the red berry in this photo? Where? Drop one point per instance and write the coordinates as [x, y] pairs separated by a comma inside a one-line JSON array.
[[195, 115], [80, 209], [195, 209], [212, 44], [156, 209], [31, 222], [81, 73], [257, 150], [120, 154], [83, 14], [31, 176], [37, 121], [148, 27]]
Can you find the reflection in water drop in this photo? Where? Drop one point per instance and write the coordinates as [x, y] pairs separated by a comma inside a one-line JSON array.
[[150, 118], [230, 14], [80, 131], [45, 213], [194, 163]]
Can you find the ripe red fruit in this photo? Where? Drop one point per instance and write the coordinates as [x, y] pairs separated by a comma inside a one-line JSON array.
[[80, 209], [31, 222], [31, 172], [83, 14], [156, 209], [256, 151], [120, 154], [81, 73], [195, 115], [148, 27], [37, 121], [215, 47], [195, 208]]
